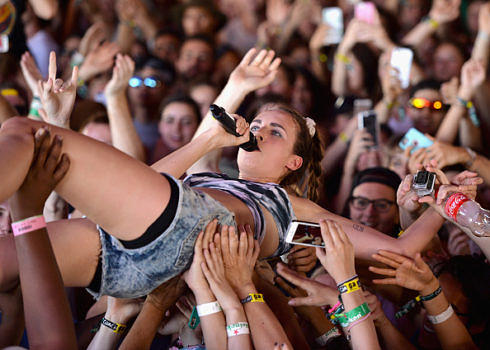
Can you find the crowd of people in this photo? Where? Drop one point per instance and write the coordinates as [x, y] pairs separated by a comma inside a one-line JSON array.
[[131, 219]]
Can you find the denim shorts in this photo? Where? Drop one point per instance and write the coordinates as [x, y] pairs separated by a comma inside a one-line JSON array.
[[132, 273]]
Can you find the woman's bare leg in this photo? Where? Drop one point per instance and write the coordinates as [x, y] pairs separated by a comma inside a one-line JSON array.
[[121, 194], [76, 246]]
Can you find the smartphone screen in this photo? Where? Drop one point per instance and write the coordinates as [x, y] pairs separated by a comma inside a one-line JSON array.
[[332, 16], [401, 60], [308, 234], [365, 11]]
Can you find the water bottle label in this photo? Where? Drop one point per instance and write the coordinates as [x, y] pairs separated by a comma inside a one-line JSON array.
[[454, 202]]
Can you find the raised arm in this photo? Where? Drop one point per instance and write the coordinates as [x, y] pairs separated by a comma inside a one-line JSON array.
[[416, 275], [47, 314], [256, 70], [45, 9], [124, 135]]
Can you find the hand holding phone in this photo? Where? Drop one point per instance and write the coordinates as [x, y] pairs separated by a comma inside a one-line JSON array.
[[333, 17], [366, 12], [304, 233], [367, 120], [415, 138], [401, 61]]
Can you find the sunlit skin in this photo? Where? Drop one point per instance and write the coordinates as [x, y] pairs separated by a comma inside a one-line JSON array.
[[384, 222], [276, 134], [99, 131], [177, 125], [426, 120]]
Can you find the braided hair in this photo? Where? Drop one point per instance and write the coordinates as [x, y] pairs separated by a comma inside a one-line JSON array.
[[308, 147]]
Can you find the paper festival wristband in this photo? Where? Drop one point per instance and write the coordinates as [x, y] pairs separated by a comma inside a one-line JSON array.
[[28, 225], [208, 308], [237, 329]]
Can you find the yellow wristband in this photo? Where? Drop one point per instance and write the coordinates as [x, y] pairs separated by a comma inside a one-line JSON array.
[[350, 286], [342, 58], [343, 136], [433, 23], [253, 298]]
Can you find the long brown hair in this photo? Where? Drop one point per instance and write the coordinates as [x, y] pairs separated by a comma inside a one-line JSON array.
[[309, 175]]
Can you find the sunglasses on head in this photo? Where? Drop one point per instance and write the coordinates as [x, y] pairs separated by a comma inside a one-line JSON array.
[[150, 82], [420, 103]]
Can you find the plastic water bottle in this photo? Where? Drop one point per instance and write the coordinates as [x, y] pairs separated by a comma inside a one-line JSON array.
[[468, 213]]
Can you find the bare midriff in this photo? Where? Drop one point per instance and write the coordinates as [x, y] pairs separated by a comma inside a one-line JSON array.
[[243, 216]]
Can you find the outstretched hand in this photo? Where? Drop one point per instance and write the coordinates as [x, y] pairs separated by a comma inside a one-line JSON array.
[[31, 72], [47, 169], [317, 294], [338, 256], [240, 252], [57, 96], [255, 72], [404, 272], [122, 72]]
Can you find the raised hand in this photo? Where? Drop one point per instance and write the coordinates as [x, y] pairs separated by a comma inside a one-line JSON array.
[[444, 11], [406, 198], [277, 11], [92, 38], [99, 60], [484, 19], [449, 91], [472, 76], [361, 142], [445, 154], [317, 294], [239, 252], [194, 277], [390, 83], [165, 295], [338, 256], [404, 272], [255, 72], [376, 308], [47, 169], [57, 96], [302, 259], [122, 72], [30, 72], [214, 270]]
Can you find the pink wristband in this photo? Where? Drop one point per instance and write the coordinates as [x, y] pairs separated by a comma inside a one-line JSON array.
[[335, 307], [27, 225], [358, 321]]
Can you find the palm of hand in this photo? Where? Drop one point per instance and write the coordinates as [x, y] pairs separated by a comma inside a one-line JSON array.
[[251, 77], [408, 275], [58, 104]]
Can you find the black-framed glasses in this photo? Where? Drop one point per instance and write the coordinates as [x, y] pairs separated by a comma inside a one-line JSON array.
[[380, 205]]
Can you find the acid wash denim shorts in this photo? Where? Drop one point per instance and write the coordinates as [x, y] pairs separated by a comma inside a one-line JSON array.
[[132, 273]]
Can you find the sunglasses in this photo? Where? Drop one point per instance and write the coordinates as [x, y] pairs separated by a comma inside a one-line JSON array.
[[150, 82], [420, 103], [380, 205]]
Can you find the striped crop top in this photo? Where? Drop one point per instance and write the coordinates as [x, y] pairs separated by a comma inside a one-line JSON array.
[[254, 194]]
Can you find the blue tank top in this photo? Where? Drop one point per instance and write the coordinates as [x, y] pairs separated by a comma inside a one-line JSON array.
[[269, 195]]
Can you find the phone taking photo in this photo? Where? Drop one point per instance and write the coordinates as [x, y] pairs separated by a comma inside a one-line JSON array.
[[415, 138], [333, 17], [365, 11], [401, 60], [367, 120], [304, 233]]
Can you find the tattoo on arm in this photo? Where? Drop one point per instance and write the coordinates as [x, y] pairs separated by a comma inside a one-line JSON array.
[[358, 227]]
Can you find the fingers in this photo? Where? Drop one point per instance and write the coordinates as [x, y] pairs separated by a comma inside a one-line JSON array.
[[54, 152], [385, 281], [385, 260], [209, 231], [233, 241], [43, 141], [291, 276], [382, 271], [225, 245], [52, 66], [259, 58], [243, 244], [74, 76], [248, 57]]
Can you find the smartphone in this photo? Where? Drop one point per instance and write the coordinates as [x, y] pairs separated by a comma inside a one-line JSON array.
[[415, 138], [401, 60], [367, 120], [332, 16], [365, 11], [304, 233]]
